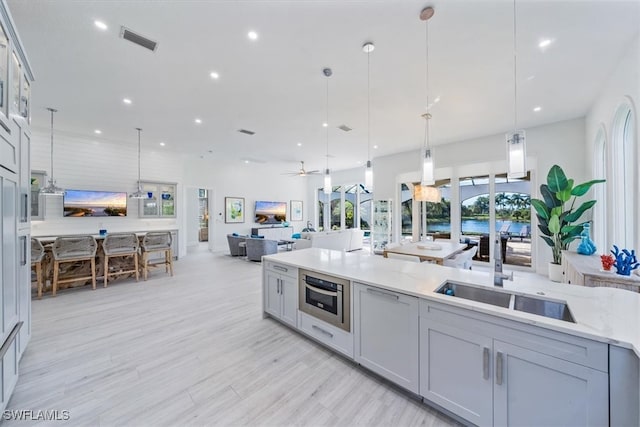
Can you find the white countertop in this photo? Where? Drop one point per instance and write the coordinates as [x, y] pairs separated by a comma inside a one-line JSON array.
[[602, 314]]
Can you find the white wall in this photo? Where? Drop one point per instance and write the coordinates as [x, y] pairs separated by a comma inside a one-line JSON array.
[[192, 222], [622, 86], [82, 164], [253, 181], [561, 143]]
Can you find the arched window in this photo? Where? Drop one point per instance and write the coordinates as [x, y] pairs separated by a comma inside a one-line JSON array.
[[623, 174], [599, 227]]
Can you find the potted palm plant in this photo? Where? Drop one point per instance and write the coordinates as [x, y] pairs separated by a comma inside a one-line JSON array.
[[558, 216]]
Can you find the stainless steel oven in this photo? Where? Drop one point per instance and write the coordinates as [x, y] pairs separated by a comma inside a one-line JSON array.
[[327, 298]]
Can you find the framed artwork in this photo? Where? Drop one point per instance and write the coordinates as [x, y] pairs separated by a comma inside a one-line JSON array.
[[296, 210], [233, 209]]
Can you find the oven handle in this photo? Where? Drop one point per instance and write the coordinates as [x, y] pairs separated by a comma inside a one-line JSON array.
[[321, 291]]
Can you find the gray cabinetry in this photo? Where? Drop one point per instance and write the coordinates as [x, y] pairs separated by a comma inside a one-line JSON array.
[[496, 372], [386, 334], [280, 292]]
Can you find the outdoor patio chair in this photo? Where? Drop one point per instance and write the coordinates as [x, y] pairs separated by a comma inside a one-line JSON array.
[[504, 230], [525, 232]]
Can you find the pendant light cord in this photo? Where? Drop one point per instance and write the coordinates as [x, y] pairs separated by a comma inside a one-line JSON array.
[[426, 62], [139, 130], [368, 105], [327, 122], [515, 69], [52, 110]]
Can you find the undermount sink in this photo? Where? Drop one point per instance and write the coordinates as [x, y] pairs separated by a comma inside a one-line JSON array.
[[529, 304], [543, 307], [474, 293]]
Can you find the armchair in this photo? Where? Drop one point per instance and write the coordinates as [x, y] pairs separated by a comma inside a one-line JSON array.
[[234, 245], [258, 247]]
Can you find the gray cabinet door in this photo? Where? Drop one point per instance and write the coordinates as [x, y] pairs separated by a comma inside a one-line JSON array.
[[9, 251], [289, 292], [539, 390], [24, 293], [272, 299], [386, 332], [455, 370]]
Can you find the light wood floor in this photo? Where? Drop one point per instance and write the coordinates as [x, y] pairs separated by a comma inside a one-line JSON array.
[[193, 350]]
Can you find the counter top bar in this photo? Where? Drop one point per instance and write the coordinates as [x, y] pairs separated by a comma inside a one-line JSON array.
[[603, 314]]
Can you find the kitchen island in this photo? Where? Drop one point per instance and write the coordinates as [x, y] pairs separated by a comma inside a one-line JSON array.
[[485, 363]]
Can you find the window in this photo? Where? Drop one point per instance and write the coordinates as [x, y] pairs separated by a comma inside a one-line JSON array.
[[414, 214], [336, 208], [625, 195], [599, 227]]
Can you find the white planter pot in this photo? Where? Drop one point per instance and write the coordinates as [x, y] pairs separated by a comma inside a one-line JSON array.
[[555, 272]]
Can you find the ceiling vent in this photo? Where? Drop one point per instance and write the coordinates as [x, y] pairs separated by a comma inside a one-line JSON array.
[[247, 132], [127, 34], [344, 128]]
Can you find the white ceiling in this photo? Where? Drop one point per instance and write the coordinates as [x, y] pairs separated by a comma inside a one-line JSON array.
[[275, 86]]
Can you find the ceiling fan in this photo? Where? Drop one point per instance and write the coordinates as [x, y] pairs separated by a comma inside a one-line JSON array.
[[302, 171]]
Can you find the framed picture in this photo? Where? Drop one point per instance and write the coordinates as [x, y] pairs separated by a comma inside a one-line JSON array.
[[233, 209], [296, 210]]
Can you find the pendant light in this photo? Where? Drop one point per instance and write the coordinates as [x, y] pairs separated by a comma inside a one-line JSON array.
[[368, 172], [327, 174], [427, 154], [52, 189], [139, 194], [516, 149]]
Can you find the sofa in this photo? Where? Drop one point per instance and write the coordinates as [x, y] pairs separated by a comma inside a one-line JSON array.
[[340, 240]]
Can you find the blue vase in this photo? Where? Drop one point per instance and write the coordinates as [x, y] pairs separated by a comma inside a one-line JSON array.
[[586, 247]]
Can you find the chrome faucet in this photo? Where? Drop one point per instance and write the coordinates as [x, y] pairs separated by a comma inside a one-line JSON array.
[[498, 275]]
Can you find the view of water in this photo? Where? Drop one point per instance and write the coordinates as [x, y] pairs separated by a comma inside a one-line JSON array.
[[474, 226]]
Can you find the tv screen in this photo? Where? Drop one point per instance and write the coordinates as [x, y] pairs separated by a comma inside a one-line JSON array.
[[271, 212], [79, 203]]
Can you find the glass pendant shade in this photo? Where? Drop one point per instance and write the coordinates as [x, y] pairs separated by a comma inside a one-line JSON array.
[[327, 182], [427, 168], [368, 176], [139, 194], [516, 157], [52, 189], [425, 193]]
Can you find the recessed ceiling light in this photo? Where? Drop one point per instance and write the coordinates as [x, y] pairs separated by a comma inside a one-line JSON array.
[[101, 25], [436, 100], [252, 35], [324, 125], [126, 101], [246, 161], [375, 147], [97, 131], [531, 78], [299, 144], [198, 121], [536, 109], [162, 144], [214, 75], [545, 43], [358, 162]]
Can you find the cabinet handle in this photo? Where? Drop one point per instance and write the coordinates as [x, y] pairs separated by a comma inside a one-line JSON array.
[[23, 255], [485, 363], [25, 208], [278, 286], [499, 368], [322, 330], [383, 294], [280, 268]]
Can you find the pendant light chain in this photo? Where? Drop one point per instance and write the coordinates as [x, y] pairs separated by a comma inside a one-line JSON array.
[[427, 116], [139, 130], [327, 122], [52, 111], [368, 105]]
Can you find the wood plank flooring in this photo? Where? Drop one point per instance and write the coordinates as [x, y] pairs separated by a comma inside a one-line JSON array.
[[193, 349]]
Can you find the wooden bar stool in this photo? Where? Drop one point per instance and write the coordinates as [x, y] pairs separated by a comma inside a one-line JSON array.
[[120, 245], [157, 242], [73, 249], [37, 255]]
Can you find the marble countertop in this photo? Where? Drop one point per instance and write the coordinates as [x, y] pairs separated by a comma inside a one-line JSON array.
[[603, 314]]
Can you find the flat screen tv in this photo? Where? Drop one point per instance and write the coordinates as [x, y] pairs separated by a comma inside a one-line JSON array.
[[271, 212], [83, 203]]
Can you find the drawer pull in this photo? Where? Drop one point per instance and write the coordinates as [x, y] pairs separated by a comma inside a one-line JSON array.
[[322, 330], [383, 294], [280, 268]]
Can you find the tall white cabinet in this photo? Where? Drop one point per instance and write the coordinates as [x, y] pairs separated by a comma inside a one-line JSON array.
[[15, 202]]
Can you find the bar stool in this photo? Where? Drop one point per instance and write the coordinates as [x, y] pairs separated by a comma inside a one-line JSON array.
[[37, 255], [73, 249], [157, 241], [120, 245]]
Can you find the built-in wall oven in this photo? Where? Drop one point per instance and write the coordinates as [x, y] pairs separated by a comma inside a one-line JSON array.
[[327, 298]]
